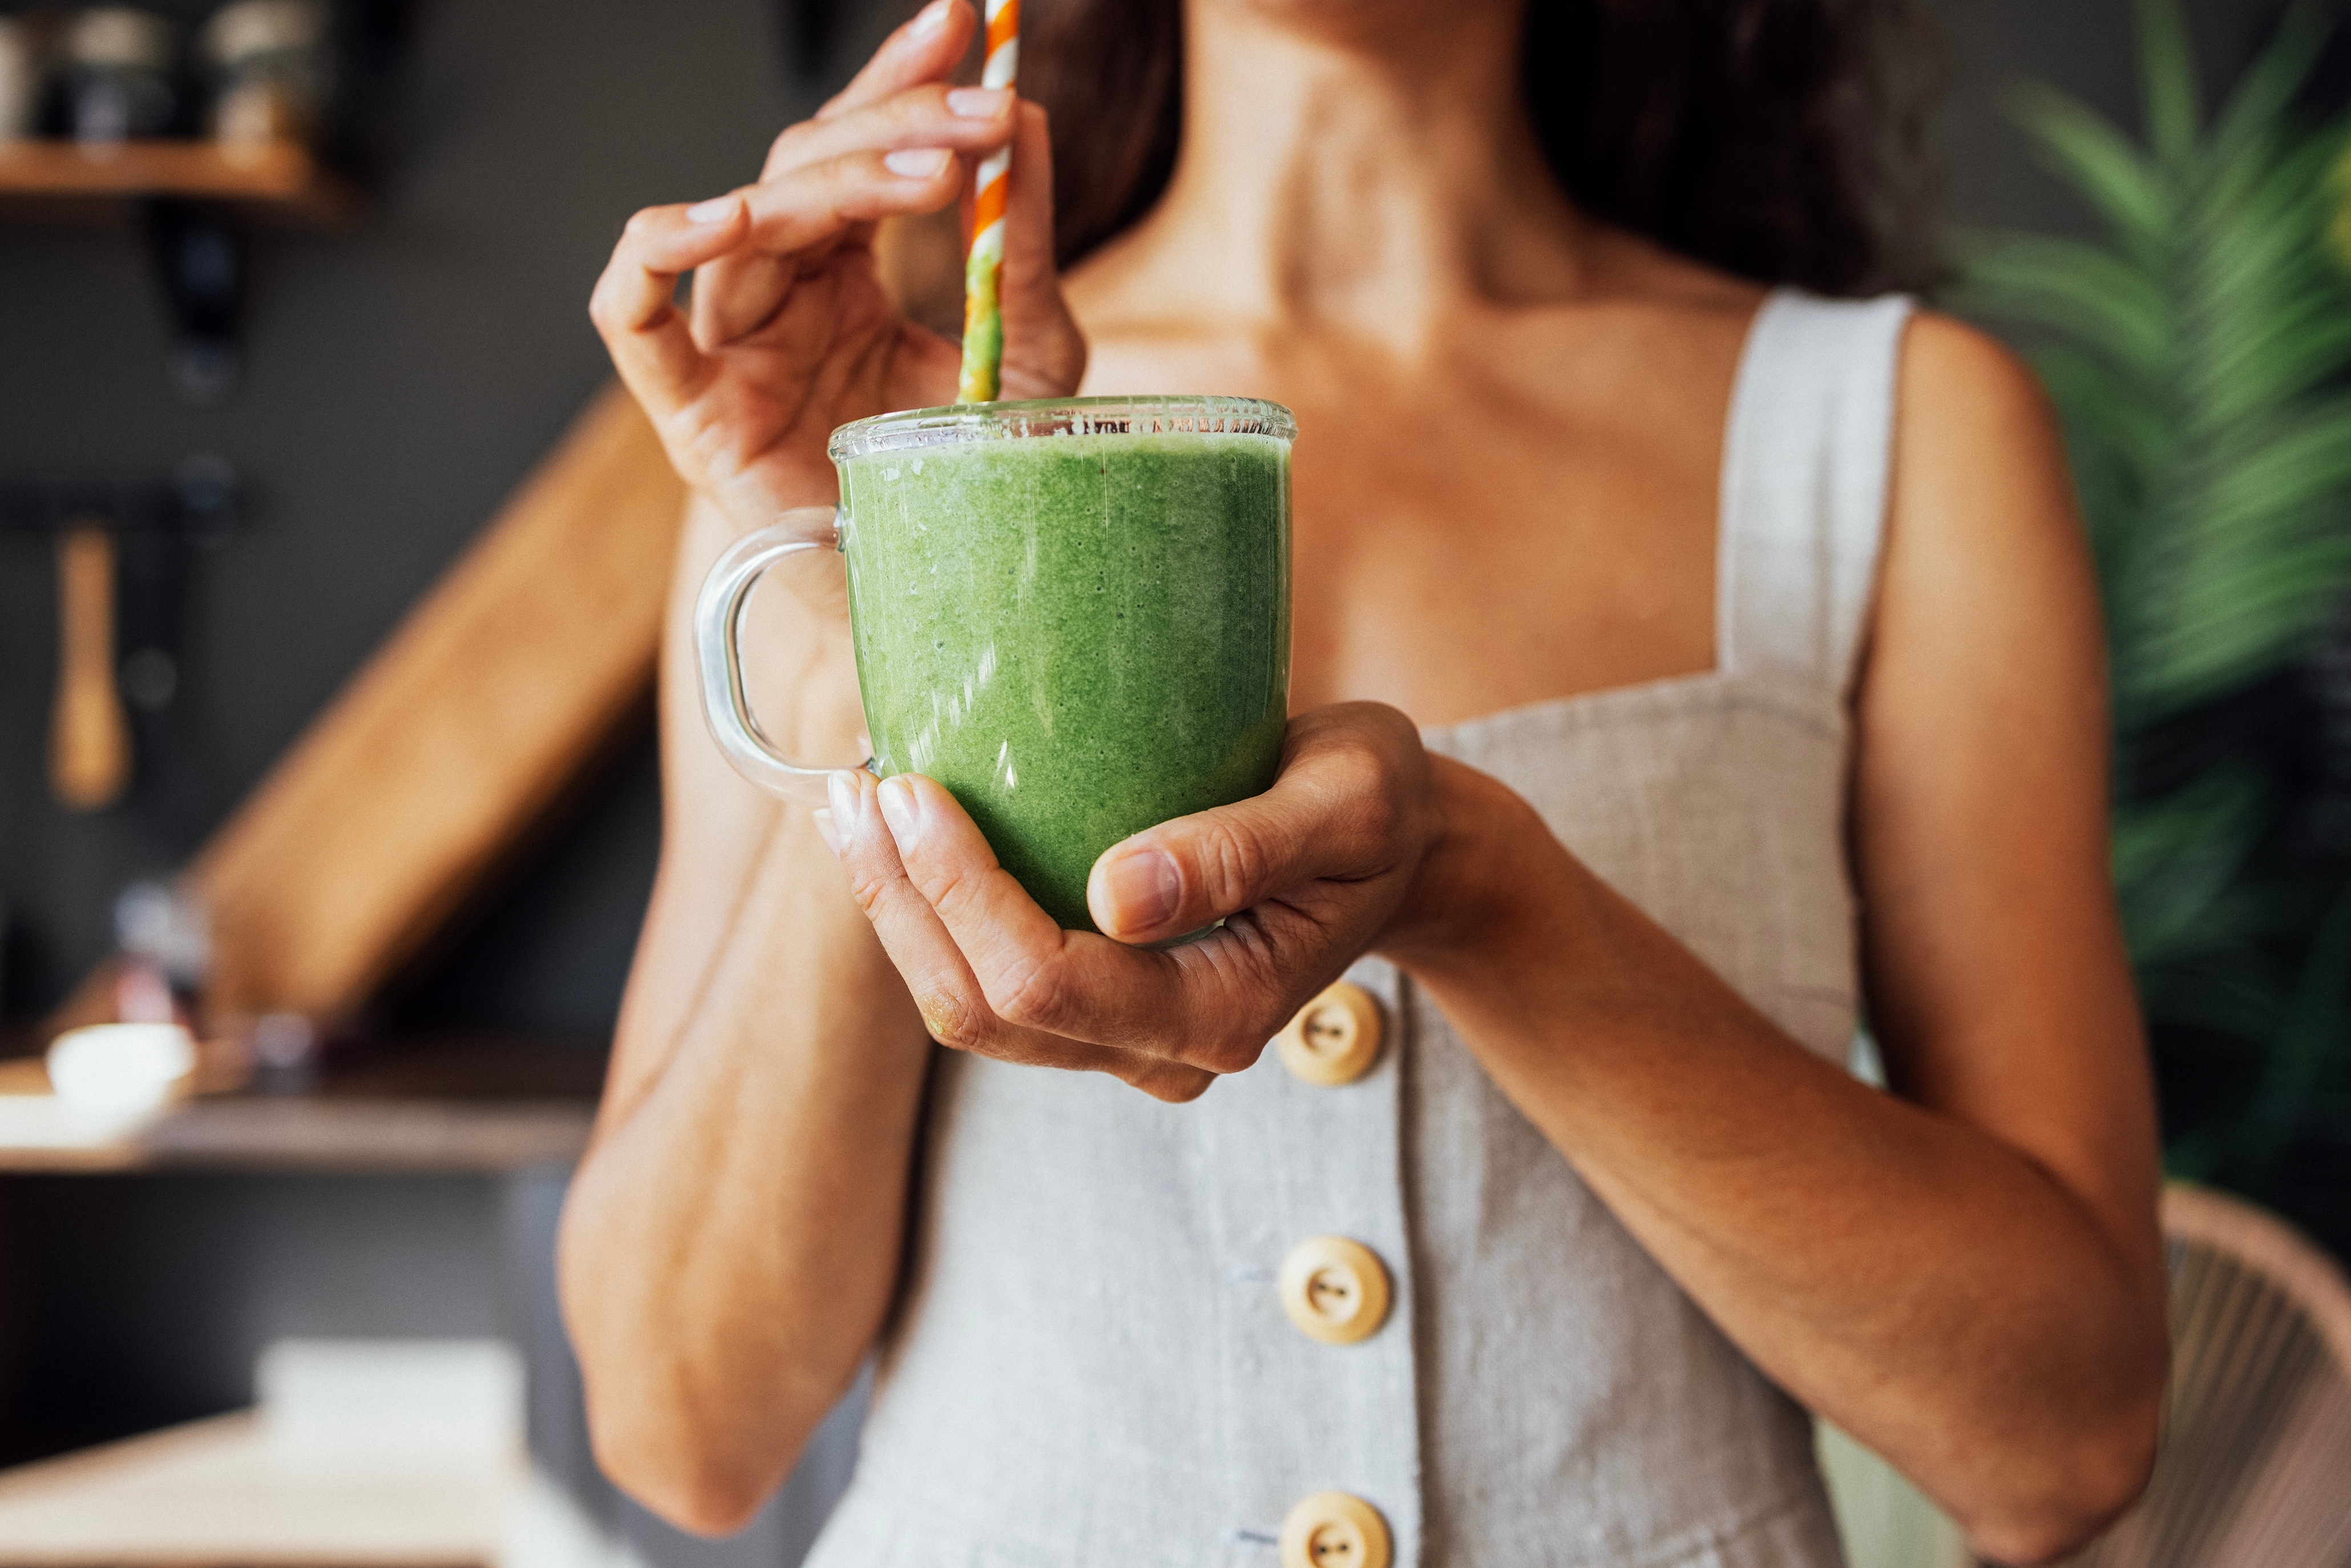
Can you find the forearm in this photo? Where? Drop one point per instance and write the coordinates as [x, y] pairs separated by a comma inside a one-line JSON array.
[[731, 1244], [732, 1238], [1915, 1279]]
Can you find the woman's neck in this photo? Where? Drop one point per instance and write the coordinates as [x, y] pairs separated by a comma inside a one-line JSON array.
[[1370, 172]]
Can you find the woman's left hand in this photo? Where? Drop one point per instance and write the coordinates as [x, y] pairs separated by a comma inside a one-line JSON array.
[[1335, 858]]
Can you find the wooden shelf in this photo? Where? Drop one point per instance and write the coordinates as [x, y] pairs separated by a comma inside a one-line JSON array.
[[462, 1105], [280, 177]]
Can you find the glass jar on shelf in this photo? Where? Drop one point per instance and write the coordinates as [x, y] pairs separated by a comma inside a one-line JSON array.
[[121, 79], [23, 77], [270, 70]]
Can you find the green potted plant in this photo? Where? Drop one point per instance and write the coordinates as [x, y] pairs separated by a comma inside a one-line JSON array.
[[2199, 354]]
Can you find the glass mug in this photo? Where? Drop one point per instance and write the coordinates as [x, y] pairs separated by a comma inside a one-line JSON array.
[[1074, 614]]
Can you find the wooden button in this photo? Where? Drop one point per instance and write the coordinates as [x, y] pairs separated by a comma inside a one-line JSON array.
[[1335, 1289], [1334, 1530], [1334, 1039]]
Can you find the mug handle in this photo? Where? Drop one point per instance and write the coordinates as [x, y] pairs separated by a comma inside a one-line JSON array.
[[718, 640]]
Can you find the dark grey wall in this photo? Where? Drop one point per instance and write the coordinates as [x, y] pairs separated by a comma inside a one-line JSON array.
[[403, 376], [2084, 47]]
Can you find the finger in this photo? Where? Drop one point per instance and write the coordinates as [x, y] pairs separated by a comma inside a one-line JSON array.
[[1044, 352], [1333, 816], [804, 208], [634, 306], [952, 1001], [1075, 985], [998, 927], [968, 118], [927, 47], [796, 219]]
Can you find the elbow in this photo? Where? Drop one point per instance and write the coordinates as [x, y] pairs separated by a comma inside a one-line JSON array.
[[660, 1422], [2082, 1485], [681, 1477]]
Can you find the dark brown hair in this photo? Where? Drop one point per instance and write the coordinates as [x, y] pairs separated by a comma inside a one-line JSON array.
[[1779, 139]]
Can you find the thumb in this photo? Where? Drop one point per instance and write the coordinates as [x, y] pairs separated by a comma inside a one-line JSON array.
[[1044, 352], [1342, 810]]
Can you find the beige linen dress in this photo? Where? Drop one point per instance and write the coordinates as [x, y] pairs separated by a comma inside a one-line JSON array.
[[1091, 1364]]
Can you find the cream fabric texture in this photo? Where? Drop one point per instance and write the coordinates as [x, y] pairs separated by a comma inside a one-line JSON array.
[[1089, 1364]]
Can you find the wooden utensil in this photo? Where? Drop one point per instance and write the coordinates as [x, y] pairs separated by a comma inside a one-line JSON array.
[[90, 735], [412, 787]]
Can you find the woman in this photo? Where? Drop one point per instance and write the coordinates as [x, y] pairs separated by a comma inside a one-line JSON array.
[[1673, 655]]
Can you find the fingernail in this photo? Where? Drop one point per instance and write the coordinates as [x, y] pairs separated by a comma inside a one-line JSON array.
[[916, 163], [900, 809], [823, 821], [717, 210], [980, 102], [930, 20], [1145, 889], [840, 792]]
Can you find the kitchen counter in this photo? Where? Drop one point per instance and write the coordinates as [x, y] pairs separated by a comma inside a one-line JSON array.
[[483, 1103]]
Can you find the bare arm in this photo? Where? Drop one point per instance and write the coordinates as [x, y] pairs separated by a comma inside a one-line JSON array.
[[1968, 1277], [732, 1238]]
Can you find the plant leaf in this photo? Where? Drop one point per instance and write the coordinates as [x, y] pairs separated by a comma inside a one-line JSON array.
[[2266, 91], [2174, 101], [2173, 859], [2078, 288], [2282, 472], [2103, 414], [2086, 150], [2280, 355]]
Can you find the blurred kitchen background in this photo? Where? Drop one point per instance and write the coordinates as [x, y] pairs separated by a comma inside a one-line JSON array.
[[258, 405]]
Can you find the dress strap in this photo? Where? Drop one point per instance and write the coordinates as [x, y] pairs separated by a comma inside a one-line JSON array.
[[1806, 461]]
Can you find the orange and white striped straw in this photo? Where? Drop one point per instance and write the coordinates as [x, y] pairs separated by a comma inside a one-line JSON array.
[[983, 268]]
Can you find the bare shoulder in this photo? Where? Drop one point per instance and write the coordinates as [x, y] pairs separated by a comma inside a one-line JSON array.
[[1978, 462], [1963, 384], [1986, 568]]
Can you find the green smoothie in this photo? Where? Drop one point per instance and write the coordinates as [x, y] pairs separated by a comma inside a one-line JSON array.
[[1080, 635]]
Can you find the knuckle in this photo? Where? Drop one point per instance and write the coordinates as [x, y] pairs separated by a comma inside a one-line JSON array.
[[1173, 1085], [954, 891], [1400, 733], [867, 888], [604, 309], [918, 106], [839, 189], [1035, 996], [1223, 1051], [1234, 862], [1364, 758], [788, 150], [952, 1021], [1372, 782], [1222, 1060], [1239, 1052], [1381, 816]]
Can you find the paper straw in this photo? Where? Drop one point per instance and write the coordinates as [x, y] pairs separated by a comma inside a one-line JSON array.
[[983, 314]]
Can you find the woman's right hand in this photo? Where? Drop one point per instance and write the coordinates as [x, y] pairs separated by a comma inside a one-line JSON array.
[[791, 333]]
